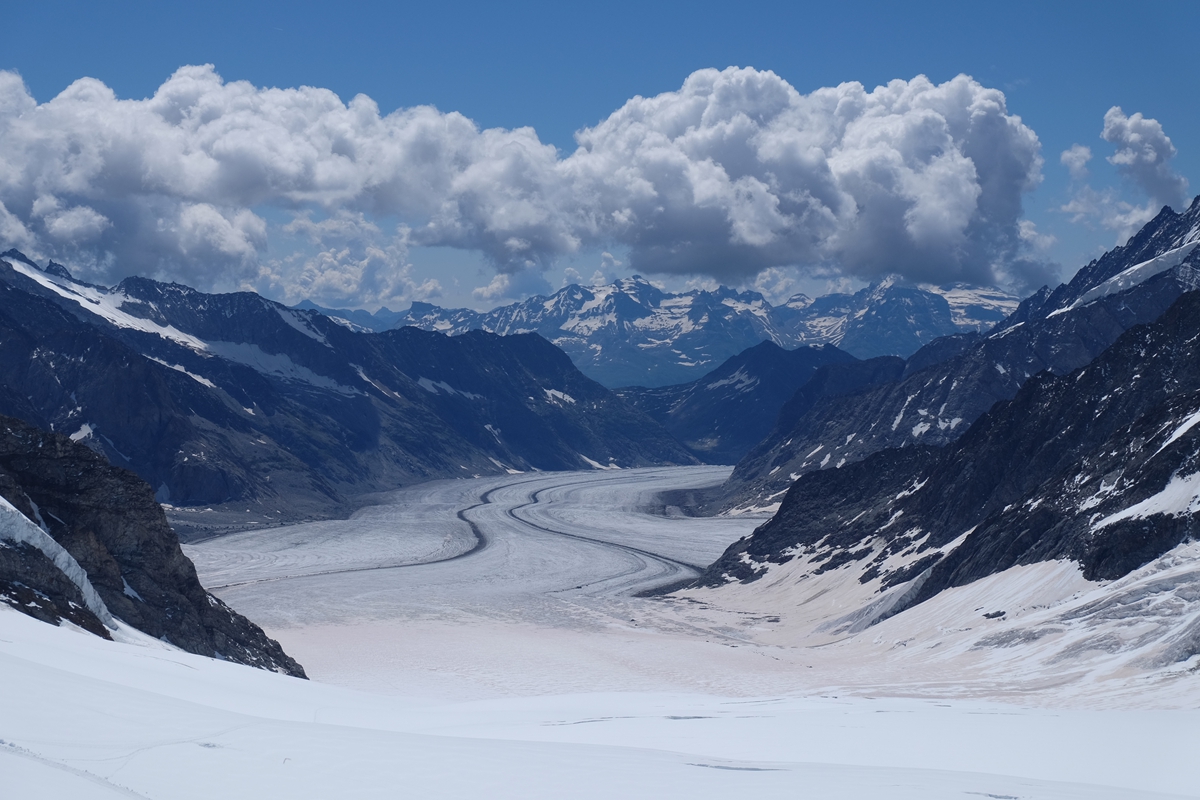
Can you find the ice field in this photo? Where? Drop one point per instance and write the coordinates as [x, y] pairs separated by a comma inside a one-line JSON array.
[[482, 638]]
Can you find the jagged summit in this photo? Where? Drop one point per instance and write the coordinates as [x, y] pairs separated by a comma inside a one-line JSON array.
[[631, 333]]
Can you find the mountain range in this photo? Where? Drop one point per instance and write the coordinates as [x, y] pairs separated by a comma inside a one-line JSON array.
[[632, 333], [849, 411], [1066, 431], [235, 399]]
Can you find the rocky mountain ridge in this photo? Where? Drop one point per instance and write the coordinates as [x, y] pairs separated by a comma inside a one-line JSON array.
[[1098, 467], [220, 398], [949, 383]]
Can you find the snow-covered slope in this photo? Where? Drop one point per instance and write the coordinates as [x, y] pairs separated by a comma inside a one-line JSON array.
[[526, 669], [630, 333], [1096, 470], [98, 719]]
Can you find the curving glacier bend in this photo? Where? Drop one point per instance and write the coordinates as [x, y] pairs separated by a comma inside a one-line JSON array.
[[484, 638], [532, 584], [529, 547]]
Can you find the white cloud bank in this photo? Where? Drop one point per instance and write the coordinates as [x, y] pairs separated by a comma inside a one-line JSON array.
[[732, 175]]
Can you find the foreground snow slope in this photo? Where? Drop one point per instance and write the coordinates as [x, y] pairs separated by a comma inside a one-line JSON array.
[[84, 718]]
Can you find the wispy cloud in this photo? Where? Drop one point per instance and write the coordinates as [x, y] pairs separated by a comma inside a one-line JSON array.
[[1143, 158]]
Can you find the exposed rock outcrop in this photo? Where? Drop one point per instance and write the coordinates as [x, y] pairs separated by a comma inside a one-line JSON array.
[[107, 519]]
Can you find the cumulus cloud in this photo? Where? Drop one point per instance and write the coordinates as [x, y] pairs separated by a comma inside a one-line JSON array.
[[349, 260], [1143, 155], [776, 284], [509, 286], [1142, 158], [1075, 159], [737, 172], [734, 174]]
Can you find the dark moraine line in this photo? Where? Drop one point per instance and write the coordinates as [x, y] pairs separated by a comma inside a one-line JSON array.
[[481, 543], [512, 512]]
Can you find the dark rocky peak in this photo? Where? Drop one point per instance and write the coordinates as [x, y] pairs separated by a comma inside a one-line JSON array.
[[58, 270], [51, 268], [16, 255], [106, 518], [1167, 232]]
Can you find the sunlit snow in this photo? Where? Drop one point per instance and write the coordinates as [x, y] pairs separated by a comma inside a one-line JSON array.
[[513, 658]]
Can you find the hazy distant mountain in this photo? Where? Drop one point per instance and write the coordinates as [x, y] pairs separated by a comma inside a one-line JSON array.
[[378, 321], [630, 333], [722, 415]]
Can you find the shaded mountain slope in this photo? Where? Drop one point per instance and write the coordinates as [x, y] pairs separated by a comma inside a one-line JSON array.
[[221, 398], [722, 415], [934, 403], [106, 518], [1100, 466]]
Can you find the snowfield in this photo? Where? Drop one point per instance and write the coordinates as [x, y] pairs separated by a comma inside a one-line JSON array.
[[483, 638]]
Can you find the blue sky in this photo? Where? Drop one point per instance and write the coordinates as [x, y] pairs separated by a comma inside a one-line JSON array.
[[559, 68]]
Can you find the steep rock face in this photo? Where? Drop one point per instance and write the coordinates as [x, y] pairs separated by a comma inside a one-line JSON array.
[[722, 415], [107, 519], [951, 382], [32, 584], [630, 333], [1100, 466], [221, 398]]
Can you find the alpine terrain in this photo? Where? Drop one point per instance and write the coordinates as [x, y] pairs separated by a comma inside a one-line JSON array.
[[631, 333], [932, 398], [720, 416], [1084, 480], [219, 399], [85, 542]]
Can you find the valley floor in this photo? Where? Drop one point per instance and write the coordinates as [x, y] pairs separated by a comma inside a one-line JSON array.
[[483, 639]]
